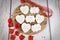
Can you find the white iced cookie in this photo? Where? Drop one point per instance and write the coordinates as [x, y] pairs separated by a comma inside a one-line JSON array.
[[24, 9], [20, 18], [36, 27], [30, 19], [39, 18], [25, 27], [34, 10]]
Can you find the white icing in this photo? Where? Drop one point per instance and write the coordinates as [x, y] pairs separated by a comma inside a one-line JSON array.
[[26, 27], [30, 19], [39, 18], [24, 9], [36, 27], [34, 10], [20, 18]]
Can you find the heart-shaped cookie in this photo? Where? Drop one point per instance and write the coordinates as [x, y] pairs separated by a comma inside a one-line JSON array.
[[24, 9], [34, 10], [20, 18], [36, 27], [26, 27], [39, 18]]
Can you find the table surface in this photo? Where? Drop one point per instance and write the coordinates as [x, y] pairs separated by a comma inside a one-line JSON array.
[[54, 20]]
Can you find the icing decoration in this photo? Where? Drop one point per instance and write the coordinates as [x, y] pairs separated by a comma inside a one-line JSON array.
[[36, 27], [34, 10], [30, 19], [25, 27], [39, 18], [20, 18], [24, 9]]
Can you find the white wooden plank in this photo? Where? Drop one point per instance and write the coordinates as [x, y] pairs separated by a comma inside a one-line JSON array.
[[4, 14], [54, 20]]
